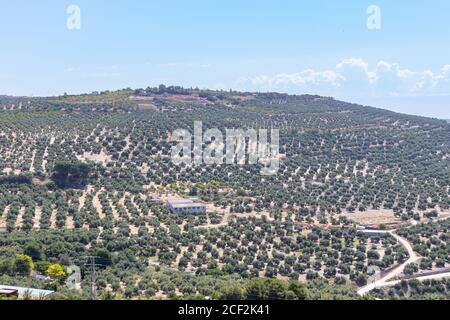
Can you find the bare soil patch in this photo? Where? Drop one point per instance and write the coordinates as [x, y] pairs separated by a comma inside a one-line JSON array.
[[373, 218]]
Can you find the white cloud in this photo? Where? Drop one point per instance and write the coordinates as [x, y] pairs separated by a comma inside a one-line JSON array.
[[446, 69], [72, 69], [102, 74], [112, 71], [307, 79], [113, 67], [354, 77], [356, 68], [186, 65], [170, 65]]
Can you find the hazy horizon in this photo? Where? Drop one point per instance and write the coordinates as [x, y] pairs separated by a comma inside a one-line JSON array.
[[395, 59], [393, 104]]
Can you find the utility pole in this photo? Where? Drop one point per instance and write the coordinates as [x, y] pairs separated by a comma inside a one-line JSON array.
[[91, 263]]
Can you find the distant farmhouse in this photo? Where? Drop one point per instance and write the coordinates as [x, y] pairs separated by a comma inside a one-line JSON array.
[[190, 206], [372, 232], [7, 291]]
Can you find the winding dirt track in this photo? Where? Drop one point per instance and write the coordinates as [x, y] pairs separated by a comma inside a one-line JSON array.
[[383, 282], [387, 281]]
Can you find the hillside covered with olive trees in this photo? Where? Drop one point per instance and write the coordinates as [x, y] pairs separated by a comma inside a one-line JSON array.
[[89, 175]]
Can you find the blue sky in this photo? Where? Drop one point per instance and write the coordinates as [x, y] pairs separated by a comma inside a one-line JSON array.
[[314, 46]]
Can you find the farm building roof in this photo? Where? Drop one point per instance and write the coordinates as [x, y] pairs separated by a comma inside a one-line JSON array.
[[35, 293]]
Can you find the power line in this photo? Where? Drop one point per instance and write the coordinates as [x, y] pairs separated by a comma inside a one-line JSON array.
[[91, 263]]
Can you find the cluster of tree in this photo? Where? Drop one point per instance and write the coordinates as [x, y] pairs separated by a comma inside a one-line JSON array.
[[416, 290], [69, 173], [16, 179], [21, 265], [263, 289], [432, 242], [32, 260], [162, 89]]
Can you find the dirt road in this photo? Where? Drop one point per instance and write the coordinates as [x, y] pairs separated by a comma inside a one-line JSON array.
[[413, 258], [388, 281]]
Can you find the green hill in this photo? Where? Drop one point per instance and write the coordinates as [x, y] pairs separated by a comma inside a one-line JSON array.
[[339, 162]]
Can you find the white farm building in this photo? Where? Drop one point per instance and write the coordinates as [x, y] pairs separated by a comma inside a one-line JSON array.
[[185, 206]]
